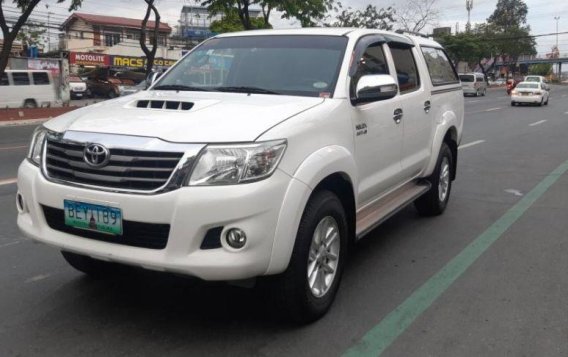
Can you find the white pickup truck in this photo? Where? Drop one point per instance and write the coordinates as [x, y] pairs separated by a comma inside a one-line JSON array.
[[259, 154]]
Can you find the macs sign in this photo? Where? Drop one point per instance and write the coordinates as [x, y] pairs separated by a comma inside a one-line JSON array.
[[139, 62]]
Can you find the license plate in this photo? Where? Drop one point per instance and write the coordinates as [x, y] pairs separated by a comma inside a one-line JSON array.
[[103, 219]]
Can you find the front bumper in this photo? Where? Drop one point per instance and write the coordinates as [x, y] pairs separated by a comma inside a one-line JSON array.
[[527, 98], [190, 211]]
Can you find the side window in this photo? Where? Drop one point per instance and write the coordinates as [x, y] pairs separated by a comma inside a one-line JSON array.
[[441, 70], [21, 78], [406, 70], [4, 80], [40, 78], [371, 62]]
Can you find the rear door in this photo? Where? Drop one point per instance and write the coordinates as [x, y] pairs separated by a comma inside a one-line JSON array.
[[416, 105]]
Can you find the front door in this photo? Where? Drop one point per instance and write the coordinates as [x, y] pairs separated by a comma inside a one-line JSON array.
[[378, 135]]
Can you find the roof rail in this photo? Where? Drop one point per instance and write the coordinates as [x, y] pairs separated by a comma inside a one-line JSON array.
[[402, 32]]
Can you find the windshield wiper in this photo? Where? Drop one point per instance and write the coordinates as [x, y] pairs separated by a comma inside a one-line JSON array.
[[244, 89], [180, 87]]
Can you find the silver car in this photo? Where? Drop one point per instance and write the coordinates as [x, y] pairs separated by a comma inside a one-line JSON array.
[[473, 84]]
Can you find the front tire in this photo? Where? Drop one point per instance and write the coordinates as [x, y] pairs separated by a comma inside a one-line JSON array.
[[434, 202], [87, 265], [306, 290]]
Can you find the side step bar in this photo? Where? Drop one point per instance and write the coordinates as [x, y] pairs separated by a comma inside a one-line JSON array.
[[377, 212]]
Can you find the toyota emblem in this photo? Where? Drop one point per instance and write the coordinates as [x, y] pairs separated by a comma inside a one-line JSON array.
[[96, 155]]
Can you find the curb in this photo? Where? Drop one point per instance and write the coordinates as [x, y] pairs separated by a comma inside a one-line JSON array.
[[8, 123]]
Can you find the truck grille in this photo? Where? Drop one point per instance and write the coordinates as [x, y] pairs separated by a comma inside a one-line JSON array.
[[127, 169]]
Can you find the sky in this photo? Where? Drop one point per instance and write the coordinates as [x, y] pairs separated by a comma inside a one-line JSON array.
[[540, 16]]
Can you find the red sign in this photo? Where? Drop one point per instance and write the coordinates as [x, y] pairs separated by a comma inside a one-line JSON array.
[[89, 59]]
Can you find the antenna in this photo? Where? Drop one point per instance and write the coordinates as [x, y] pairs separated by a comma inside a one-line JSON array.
[[469, 7]]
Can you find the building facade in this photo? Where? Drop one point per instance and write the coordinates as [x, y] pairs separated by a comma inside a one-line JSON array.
[[109, 35]]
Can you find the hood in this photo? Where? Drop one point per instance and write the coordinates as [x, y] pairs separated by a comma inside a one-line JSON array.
[[212, 116]]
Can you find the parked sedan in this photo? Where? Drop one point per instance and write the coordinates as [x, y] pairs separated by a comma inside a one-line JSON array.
[[529, 93]]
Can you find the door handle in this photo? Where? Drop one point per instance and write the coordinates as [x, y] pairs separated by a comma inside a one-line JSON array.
[[397, 116], [427, 106]]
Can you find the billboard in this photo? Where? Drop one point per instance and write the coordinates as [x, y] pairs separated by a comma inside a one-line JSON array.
[[89, 59], [138, 62]]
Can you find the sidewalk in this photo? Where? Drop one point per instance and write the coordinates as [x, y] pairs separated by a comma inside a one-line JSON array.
[[17, 114]]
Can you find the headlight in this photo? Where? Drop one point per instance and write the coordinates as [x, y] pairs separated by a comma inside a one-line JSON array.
[[514, 92], [233, 164], [36, 146]]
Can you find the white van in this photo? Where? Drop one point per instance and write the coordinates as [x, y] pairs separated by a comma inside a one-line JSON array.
[[473, 84], [27, 89]]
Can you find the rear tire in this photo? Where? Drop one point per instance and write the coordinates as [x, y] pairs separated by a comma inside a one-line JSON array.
[[301, 296], [513, 104], [434, 202], [92, 267], [112, 94], [30, 104]]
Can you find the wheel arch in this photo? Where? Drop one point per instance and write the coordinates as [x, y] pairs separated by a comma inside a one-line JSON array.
[[451, 139], [331, 168]]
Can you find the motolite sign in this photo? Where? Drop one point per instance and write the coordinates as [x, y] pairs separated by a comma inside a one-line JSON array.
[[89, 59]]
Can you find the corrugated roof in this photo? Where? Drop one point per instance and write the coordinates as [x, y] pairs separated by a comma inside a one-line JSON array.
[[116, 21]]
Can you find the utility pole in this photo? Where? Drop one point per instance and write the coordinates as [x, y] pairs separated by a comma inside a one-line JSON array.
[[48, 30], [469, 7], [557, 49]]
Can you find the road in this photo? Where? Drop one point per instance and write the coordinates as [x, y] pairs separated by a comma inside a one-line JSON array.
[[487, 278]]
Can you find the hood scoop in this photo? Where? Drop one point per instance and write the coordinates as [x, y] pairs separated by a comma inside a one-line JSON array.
[[164, 104]]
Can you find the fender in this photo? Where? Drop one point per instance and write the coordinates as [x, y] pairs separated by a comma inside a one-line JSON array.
[[314, 169], [443, 124]]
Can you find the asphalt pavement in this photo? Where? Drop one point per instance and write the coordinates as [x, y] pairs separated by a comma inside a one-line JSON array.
[[487, 278]]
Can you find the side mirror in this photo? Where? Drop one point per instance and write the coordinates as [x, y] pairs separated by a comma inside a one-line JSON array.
[[375, 87]]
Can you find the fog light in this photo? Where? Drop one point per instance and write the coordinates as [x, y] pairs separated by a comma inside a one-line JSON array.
[[236, 238], [20, 203]]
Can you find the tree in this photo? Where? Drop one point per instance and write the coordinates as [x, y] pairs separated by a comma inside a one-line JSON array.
[[11, 32], [541, 69], [227, 7], [231, 23], [372, 18], [415, 15], [509, 14], [509, 31], [471, 47], [150, 53], [31, 36], [308, 12]]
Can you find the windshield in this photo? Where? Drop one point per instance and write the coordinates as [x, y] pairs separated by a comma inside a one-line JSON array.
[[532, 79], [466, 78], [527, 85], [292, 65]]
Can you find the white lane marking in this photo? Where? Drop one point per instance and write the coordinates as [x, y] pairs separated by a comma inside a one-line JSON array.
[[491, 109], [9, 244], [473, 101], [538, 122], [464, 146], [514, 192], [37, 278], [8, 181], [13, 147]]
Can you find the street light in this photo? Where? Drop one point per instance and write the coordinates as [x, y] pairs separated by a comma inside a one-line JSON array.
[[556, 18]]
